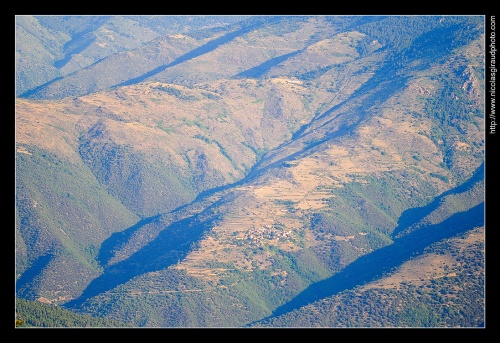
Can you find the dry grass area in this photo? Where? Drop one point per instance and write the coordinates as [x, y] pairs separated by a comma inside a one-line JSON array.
[[173, 124], [236, 239], [46, 124], [238, 55], [420, 270], [327, 52], [387, 141], [417, 272]]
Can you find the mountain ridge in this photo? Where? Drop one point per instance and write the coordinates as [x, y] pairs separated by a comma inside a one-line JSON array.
[[222, 190]]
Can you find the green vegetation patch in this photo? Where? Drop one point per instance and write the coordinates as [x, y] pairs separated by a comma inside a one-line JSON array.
[[30, 314]]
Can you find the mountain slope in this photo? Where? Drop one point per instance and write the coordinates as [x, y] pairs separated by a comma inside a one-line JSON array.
[[49, 48], [243, 190], [467, 200], [297, 220], [433, 289], [129, 166], [33, 314], [193, 58]]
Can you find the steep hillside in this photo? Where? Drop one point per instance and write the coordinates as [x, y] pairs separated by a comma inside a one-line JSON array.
[[36, 50], [127, 165], [240, 50], [438, 288], [309, 209], [49, 48], [117, 68], [34, 314], [63, 213], [270, 174]]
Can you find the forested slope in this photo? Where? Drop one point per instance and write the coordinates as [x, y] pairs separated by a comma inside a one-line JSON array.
[[275, 171]]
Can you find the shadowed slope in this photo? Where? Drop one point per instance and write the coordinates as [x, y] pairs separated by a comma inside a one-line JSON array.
[[206, 48], [172, 244], [375, 264]]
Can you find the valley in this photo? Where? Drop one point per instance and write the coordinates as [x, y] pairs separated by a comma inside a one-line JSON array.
[[268, 172]]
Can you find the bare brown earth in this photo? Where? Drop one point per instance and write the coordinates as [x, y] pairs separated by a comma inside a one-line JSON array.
[[176, 128], [270, 211], [429, 266], [221, 128]]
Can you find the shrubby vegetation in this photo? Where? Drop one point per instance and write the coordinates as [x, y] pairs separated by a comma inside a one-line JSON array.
[[55, 199], [36, 314], [116, 184], [449, 109], [454, 300], [130, 177]]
